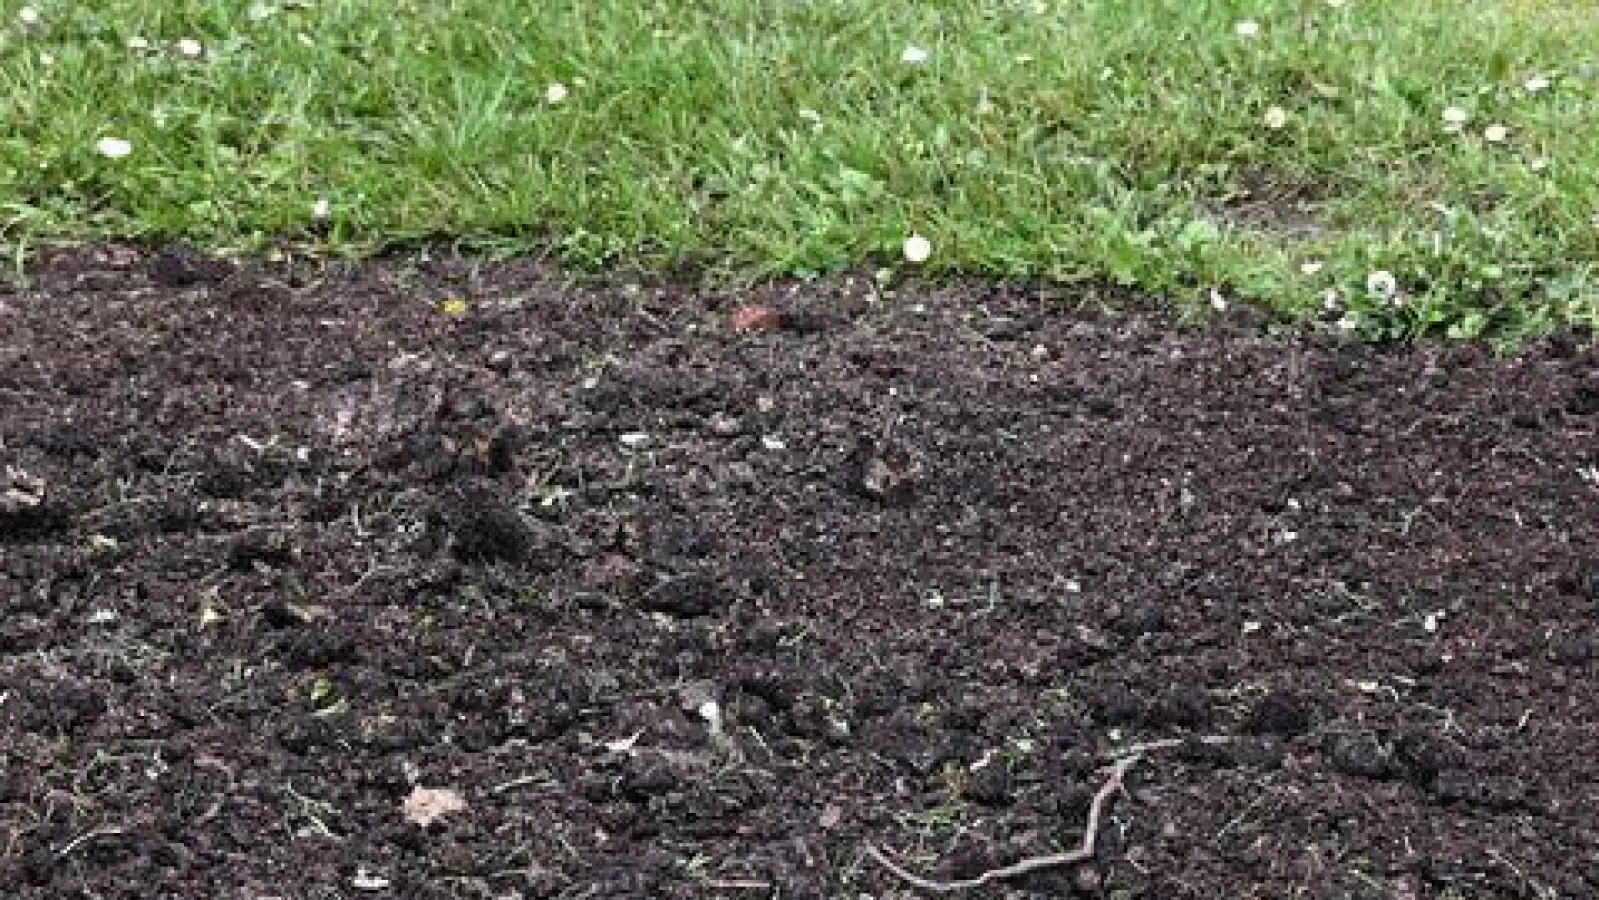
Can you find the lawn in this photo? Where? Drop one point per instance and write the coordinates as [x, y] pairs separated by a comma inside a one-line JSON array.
[[1388, 168]]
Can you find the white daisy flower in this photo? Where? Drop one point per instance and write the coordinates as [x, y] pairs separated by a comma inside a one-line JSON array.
[[113, 147], [1382, 283]]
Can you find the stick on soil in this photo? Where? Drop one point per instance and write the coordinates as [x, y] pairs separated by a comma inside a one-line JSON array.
[[1119, 767]]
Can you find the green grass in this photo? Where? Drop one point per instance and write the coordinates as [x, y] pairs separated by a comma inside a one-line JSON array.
[[1083, 140]]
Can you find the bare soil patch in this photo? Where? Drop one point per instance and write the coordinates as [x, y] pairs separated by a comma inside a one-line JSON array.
[[442, 578]]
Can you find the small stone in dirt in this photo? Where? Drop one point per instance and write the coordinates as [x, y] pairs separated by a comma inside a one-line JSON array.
[[1361, 754], [366, 881], [699, 697], [887, 473], [756, 318], [501, 361], [425, 806], [1279, 713], [724, 425], [19, 492], [831, 815]]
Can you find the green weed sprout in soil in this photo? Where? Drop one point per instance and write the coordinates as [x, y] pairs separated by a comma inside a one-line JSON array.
[[1392, 167]]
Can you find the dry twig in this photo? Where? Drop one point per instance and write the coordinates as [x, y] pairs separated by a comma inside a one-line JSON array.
[[1084, 851], [1121, 764]]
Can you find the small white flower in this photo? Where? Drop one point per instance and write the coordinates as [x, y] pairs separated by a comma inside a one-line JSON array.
[[918, 249], [47, 59], [138, 44], [1381, 283], [1310, 267], [321, 209], [28, 17], [1495, 134], [1247, 29], [1347, 323], [113, 148], [913, 55], [556, 93], [1539, 164], [1535, 84], [1455, 118], [1331, 302], [1276, 117], [1217, 301], [190, 47]]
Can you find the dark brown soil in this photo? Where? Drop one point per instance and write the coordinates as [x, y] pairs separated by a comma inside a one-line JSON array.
[[676, 608]]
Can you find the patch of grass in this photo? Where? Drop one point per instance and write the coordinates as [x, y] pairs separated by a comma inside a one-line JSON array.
[[1277, 151]]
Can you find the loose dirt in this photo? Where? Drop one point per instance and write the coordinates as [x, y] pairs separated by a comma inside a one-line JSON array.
[[435, 577]]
